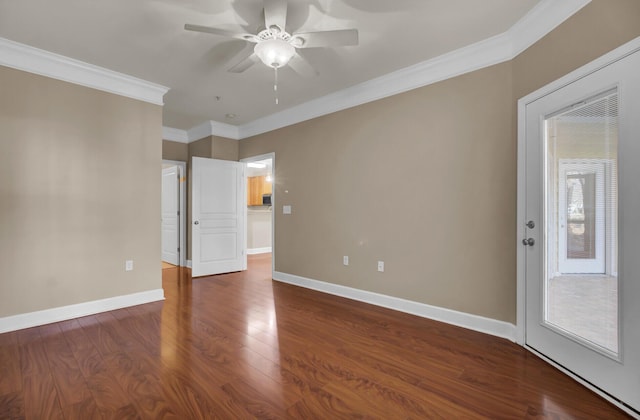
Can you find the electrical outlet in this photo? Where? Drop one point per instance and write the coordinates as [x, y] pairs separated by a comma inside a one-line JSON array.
[[345, 260], [128, 265], [381, 266], [286, 209]]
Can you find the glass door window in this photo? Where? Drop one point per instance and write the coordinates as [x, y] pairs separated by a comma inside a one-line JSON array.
[[581, 290]]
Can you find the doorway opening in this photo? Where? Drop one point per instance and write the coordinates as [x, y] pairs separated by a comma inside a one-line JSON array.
[[260, 183], [172, 218]]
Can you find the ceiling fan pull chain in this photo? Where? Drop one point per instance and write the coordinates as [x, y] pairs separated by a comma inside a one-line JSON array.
[[275, 84]]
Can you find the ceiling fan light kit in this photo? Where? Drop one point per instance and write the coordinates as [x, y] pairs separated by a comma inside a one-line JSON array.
[[274, 52]]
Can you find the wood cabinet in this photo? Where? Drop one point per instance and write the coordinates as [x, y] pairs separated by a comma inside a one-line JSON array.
[[257, 186]]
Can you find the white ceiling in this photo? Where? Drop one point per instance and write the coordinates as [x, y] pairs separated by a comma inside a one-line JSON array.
[[146, 39]]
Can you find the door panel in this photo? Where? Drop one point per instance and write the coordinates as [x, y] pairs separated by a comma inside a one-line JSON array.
[[218, 217], [582, 147], [169, 216]]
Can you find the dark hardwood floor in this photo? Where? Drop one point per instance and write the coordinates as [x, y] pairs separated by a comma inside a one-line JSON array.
[[242, 346]]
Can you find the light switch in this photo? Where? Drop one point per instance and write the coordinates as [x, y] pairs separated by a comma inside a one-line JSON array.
[[286, 209]]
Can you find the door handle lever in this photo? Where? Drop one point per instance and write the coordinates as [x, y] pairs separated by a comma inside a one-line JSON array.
[[528, 241]]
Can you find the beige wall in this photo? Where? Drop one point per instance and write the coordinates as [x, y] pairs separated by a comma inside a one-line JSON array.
[[173, 150], [421, 180], [79, 194], [595, 30], [425, 180], [225, 149], [212, 147], [201, 148], [258, 228]]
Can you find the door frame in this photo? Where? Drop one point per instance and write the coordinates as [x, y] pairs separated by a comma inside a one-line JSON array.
[[521, 231], [271, 156], [182, 198]]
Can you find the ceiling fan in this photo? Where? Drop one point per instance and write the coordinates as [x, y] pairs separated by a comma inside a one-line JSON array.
[[275, 47]]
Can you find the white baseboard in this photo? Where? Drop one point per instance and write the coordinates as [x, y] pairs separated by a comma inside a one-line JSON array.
[[253, 251], [473, 322], [63, 313], [188, 263]]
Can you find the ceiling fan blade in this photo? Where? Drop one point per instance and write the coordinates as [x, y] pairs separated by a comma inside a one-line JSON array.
[[244, 64], [221, 32], [275, 14], [338, 38], [300, 65]]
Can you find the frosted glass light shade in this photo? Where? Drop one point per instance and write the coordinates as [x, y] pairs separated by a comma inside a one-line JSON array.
[[274, 52]]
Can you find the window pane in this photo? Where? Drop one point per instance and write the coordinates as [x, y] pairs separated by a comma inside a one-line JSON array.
[[581, 287], [581, 207]]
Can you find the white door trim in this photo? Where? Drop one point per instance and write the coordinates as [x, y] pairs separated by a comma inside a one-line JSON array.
[[274, 202], [607, 59], [182, 171]]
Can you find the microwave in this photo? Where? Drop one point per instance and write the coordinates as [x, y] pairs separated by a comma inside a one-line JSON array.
[[266, 199]]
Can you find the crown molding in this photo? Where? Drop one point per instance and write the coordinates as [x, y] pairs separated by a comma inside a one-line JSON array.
[[213, 128], [464, 60], [537, 23], [175, 134], [225, 130], [206, 129], [34, 60], [200, 131]]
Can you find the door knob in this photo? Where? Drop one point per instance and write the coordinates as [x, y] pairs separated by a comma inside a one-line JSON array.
[[196, 223], [528, 241], [531, 224]]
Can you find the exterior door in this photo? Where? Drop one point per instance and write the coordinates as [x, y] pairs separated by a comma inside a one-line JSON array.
[[581, 226], [582, 215], [170, 217], [218, 217]]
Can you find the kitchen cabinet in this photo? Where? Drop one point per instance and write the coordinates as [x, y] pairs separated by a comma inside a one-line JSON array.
[[257, 186]]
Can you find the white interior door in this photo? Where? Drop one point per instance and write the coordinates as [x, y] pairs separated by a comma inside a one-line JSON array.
[[170, 219], [218, 217], [584, 322]]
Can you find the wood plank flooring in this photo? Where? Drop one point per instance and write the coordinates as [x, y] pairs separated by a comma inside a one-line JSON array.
[[166, 265], [241, 346]]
